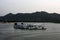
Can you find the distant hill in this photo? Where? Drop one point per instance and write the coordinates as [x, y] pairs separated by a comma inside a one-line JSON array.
[[31, 17]]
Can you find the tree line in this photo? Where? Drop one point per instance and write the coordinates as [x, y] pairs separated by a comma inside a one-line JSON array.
[[31, 17]]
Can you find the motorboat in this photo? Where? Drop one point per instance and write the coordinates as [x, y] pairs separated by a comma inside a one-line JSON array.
[[29, 27]]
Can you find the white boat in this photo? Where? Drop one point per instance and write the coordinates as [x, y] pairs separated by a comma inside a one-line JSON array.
[[29, 27]]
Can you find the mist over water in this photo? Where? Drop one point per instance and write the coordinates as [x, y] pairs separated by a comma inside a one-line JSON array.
[[7, 32]]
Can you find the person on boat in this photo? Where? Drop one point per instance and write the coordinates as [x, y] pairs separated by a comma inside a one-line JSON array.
[[43, 28], [22, 25], [15, 25]]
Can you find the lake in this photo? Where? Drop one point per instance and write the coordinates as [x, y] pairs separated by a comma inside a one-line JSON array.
[[7, 32]]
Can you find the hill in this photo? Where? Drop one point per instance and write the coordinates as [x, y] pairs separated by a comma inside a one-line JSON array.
[[31, 17]]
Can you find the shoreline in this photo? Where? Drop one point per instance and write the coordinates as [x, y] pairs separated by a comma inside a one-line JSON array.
[[32, 22]]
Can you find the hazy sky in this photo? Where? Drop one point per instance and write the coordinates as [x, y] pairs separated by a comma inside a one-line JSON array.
[[16, 6]]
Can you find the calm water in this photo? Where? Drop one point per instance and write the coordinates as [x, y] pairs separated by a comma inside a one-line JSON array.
[[7, 32]]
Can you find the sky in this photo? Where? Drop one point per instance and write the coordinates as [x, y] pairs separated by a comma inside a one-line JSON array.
[[28, 6]]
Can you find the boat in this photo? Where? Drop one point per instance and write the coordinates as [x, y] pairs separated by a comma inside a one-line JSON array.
[[29, 27]]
